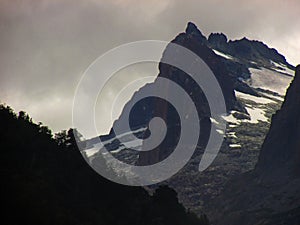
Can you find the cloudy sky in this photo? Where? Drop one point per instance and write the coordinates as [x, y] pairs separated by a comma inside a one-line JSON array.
[[45, 45]]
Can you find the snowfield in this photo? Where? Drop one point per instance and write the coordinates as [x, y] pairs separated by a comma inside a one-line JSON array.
[[256, 108], [269, 80], [260, 100]]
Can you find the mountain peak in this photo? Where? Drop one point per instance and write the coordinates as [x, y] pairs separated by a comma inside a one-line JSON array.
[[191, 27], [218, 40], [193, 30]]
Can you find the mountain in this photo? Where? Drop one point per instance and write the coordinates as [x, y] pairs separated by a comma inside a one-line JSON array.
[[254, 83], [269, 194], [47, 181], [148, 108]]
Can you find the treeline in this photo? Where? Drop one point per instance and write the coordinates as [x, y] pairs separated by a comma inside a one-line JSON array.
[[45, 180]]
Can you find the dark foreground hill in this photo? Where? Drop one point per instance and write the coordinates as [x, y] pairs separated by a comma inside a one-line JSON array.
[[270, 194], [47, 181]]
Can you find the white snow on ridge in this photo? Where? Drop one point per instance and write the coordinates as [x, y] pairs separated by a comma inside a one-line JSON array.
[[283, 68], [274, 97], [256, 115], [269, 80], [95, 147], [261, 100], [223, 54]]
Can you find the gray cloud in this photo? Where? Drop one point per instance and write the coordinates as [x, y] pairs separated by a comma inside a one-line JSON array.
[[46, 45]]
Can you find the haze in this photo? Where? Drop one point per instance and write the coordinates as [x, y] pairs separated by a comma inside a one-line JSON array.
[[46, 45]]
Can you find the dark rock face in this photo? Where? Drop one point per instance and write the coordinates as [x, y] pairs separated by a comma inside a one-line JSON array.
[[238, 67], [146, 109], [192, 31], [270, 193], [218, 40], [190, 40]]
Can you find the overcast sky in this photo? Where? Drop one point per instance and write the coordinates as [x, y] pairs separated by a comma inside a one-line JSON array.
[[45, 45]]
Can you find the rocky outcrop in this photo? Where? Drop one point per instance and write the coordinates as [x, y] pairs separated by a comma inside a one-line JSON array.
[[193, 40], [270, 193], [218, 41], [193, 32], [247, 51]]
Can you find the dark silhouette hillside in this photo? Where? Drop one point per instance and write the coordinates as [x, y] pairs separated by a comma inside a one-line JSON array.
[[45, 180]]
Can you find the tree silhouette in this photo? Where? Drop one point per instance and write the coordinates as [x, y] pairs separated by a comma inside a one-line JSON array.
[[45, 180]]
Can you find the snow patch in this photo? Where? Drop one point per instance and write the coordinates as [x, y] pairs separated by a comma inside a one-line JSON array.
[[235, 146], [269, 80], [220, 131], [230, 118], [96, 145], [256, 115], [231, 134], [214, 121], [260, 100], [223, 54]]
